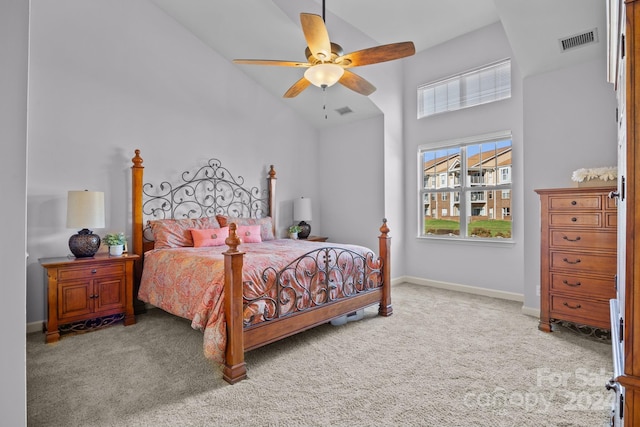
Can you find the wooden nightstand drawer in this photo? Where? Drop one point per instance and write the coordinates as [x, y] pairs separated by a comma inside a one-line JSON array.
[[93, 271]]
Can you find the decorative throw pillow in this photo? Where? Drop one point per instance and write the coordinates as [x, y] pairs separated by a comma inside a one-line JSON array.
[[209, 236], [174, 233], [266, 224], [249, 233], [222, 220]]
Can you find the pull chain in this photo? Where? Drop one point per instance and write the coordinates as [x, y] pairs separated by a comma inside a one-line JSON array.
[[324, 100]]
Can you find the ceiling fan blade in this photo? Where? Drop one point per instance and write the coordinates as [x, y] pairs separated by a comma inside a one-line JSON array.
[[315, 32], [297, 87], [356, 83], [272, 62], [374, 55]]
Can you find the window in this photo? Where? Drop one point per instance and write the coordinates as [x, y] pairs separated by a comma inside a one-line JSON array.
[[469, 204], [479, 86]]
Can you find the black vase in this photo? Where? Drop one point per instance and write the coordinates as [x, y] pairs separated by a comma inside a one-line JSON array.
[[305, 229], [84, 244]]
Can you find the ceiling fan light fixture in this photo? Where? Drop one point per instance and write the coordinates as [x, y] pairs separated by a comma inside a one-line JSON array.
[[324, 75]]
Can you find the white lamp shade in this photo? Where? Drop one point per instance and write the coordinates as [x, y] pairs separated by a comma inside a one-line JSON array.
[[302, 209], [324, 74], [85, 209]]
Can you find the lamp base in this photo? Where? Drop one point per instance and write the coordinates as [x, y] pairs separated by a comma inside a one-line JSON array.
[[305, 229], [85, 244]]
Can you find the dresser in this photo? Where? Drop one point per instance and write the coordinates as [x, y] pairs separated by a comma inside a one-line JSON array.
[[83, 289], [577, 256]]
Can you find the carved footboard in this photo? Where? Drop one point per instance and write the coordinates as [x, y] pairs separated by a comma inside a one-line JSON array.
[[313, 289]]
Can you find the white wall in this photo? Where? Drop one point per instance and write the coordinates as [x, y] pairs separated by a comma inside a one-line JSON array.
[[109, 77], [569, 123], [497, 267], [14, 33], [352, 209]]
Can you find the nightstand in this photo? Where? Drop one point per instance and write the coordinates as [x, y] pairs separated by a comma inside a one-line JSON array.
[[83, 289], [316, 239]]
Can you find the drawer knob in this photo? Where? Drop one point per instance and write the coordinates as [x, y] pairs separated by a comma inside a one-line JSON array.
[[577, 239], [573, 307], [572, 284], [94, 271], [573, 203], [574, 219], [571, 262]]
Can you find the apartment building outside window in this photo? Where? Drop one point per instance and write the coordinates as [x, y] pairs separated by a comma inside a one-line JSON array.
[[474, 200]]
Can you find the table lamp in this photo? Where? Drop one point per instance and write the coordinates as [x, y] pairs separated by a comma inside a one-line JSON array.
[[85, 209], [302, 213]]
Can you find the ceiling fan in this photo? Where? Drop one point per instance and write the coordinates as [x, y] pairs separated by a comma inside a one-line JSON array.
[[326, 62]]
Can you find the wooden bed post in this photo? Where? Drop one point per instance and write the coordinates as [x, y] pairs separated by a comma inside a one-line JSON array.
[[234, 366], [385, 255], [137, 171], [272, 200]]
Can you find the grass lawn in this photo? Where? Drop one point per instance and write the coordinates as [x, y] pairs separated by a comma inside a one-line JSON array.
[[489, 227]]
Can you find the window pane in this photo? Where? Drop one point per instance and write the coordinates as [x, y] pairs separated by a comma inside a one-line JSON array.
[[443, 218], [441, 168], [488, 217]]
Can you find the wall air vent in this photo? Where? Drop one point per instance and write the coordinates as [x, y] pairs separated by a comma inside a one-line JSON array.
[[344, 110], [578, 40]]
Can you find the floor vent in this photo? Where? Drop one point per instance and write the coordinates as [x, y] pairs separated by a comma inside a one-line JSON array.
[[578, 40], [344, 110]]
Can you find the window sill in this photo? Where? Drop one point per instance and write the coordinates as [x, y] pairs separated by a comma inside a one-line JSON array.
[[469, 240]]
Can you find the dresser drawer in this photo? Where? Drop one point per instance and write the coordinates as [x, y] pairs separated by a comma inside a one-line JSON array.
[[585, 262], [588, 312], [578, 219], [100, 270], [596, 287], [583, 239], [582, 202]]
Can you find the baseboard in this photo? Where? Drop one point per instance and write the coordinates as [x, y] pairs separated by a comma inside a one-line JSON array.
[[35, 327], [531, 311], [511, 296]]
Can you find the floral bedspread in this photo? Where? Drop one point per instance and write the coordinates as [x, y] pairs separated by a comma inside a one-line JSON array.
[[189, 282]]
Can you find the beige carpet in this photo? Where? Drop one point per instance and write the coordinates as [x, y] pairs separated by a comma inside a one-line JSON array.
[[442, 359]]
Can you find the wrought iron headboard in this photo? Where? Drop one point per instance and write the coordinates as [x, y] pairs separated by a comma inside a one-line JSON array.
[[210, 190]]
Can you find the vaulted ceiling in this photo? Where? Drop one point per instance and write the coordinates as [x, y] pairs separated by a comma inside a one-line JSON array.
[[270, 29]]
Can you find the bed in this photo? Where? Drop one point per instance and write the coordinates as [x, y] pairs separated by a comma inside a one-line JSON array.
[[209, 253]]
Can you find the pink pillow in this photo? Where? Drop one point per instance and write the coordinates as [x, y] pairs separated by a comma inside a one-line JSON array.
[[266, 224], [209, 236], [249, 233], [174, 233]]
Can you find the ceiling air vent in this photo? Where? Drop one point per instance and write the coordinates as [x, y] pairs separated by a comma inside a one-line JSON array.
[[578, 40], [344, 110]]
